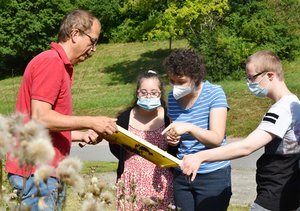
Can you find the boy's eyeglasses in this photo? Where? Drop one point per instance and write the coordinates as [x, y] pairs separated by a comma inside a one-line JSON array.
[[250, 78], [92, 39]]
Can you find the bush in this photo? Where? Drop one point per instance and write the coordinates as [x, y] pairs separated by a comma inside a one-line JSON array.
[[246, 29], [26, 28]]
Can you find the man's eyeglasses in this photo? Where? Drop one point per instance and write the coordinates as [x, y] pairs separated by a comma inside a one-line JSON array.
[[250, 78], [145, 93], [92, 39]]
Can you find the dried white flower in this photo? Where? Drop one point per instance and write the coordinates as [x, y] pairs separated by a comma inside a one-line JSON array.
[[94, 180], [39, 151], [43, 173], [107, 197], [32, 145], [148, 202], [92, 204], [68, 172], [42, 204], [172, 207], [71, 162]]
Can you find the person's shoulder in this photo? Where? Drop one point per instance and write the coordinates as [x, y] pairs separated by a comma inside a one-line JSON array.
[[123, 113], [212, 87], [45, 61], [47, 55], [288, 99]]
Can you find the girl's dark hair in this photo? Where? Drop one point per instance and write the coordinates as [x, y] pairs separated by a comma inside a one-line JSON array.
[[185, 62]]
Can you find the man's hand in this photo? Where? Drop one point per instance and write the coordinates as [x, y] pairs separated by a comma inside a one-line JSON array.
[[91, 137], [104, 125]]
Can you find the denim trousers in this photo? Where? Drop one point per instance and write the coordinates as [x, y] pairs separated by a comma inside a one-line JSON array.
[[208, 192], [31, 194]]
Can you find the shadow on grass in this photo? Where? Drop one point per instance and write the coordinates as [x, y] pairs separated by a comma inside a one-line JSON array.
[[127, 71]]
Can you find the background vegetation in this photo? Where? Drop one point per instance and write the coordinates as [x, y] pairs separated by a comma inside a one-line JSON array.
[[139, 35], [105, 84], [225, 32]]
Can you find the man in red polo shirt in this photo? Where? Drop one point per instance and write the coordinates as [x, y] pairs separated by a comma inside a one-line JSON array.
[[45, 95]]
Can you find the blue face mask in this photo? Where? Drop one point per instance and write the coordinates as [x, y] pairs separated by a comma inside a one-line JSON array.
[[148, 103], [255, 89]]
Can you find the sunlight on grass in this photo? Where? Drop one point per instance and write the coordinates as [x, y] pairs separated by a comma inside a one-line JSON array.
[[105, 84], [98, 167]]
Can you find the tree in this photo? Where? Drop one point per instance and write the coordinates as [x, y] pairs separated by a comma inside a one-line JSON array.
[[107, 11], [160, 20], [184, 17], [248, 26], [26, 28]]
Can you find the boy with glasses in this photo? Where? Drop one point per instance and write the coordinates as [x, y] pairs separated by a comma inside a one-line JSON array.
[[278, 170]]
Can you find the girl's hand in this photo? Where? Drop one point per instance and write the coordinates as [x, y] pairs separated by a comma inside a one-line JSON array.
[[190, 165]]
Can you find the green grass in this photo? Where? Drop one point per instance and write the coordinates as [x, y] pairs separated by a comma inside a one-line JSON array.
[[105, 83], [98, 167]]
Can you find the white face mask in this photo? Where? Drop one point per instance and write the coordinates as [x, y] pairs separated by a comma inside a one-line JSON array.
[[180, 91]]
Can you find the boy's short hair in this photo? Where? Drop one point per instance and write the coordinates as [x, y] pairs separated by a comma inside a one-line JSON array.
[[266, 61]]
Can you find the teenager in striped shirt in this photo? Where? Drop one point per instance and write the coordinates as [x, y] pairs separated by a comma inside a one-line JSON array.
[[198, 111]]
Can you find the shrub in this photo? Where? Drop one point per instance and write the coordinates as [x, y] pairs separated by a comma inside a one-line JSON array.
[[247, 28]]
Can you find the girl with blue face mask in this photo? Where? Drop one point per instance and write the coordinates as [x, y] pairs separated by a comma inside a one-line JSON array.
[[146, 118]]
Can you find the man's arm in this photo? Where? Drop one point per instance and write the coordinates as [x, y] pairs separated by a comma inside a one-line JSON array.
[[54, 121]]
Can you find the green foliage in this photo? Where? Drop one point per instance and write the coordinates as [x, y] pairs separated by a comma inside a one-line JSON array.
[[105, 84], [248, 27], [107, 11], [160, 20], [27, 27], [138, 18], [225, 32], [180, 18]]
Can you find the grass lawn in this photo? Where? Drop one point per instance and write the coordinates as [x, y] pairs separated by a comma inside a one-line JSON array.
[[105, 83]]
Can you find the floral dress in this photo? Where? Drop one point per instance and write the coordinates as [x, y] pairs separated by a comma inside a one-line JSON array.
[[144, 185]]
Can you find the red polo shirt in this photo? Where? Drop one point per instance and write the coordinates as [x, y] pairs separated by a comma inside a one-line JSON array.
[[48, 77]]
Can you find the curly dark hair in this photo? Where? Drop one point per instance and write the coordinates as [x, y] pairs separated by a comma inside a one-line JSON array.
[[185, 62]]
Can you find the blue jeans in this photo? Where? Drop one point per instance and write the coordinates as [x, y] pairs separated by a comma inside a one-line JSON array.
[[31, 194], [208, 192]]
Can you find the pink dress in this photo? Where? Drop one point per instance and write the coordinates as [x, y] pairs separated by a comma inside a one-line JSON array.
[[144, 185]]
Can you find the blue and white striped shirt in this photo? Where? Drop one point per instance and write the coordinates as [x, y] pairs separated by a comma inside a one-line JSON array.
[[211, 96]]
